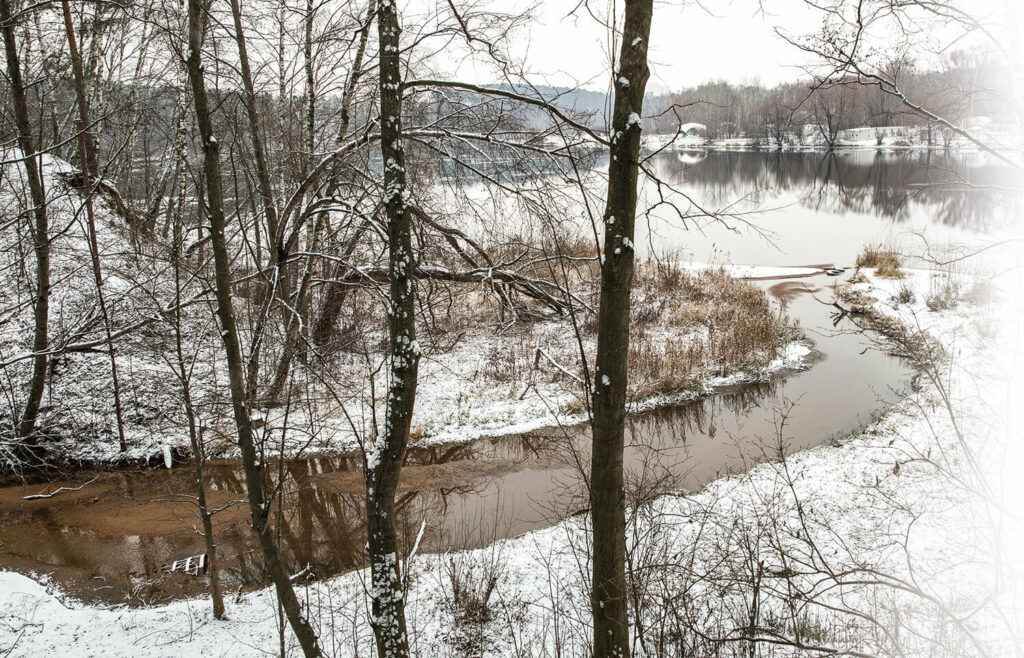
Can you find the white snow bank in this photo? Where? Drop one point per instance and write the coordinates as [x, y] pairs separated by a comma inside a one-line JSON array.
[[753, 271]]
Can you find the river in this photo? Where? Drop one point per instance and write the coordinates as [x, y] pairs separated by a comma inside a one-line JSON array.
[[108, 539]]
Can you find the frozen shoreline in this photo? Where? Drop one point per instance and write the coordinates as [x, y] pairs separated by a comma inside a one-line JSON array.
[[846, 485]]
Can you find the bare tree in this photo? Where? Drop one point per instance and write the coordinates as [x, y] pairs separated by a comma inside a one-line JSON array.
[[40, 230], [259, 503], [849, 55], [195, 431], [89, 167], [384, 462], [609, 600], [829, 104]]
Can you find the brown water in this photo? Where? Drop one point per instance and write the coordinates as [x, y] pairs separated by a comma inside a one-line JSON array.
[[109, 540]]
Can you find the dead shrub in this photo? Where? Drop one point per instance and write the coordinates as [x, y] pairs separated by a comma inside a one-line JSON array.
[[905, 295], [885, 262], [469, 587], [948, 291], [944, 293], [503, 363], [663, 368], [979, 293]]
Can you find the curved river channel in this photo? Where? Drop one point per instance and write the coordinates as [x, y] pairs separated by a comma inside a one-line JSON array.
[[109, 540]]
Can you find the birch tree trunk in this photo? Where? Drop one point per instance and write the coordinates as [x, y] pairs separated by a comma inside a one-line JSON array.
[[259, 505], [40, 231], [607, 496], [384, 459]]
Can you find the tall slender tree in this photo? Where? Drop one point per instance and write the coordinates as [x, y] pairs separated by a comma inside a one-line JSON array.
[[40, 229], [607, 494], [88, 161], [384, 458], [259, 502]]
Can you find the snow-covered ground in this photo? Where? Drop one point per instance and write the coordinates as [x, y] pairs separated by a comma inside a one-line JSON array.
[[476, 378], [754, 271], [902, 540], [863, 137]]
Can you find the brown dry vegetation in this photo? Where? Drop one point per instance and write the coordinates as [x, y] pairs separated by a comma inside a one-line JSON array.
[[685, 326], [904, 341], [885, 262]]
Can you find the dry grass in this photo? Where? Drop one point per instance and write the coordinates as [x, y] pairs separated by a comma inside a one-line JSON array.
[[885, 262], [905, 295], [687, 324], [904, 341]]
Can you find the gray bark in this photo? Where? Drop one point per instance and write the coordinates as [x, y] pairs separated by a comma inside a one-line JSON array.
[[40, 230], [334, 298], [87, 160], [195, 438], [384, 461]]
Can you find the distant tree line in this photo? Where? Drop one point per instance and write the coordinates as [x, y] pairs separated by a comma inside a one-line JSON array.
[[964, 87]]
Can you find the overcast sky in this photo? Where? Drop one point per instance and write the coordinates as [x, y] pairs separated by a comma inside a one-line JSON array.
[[689, 45], [726, 40]]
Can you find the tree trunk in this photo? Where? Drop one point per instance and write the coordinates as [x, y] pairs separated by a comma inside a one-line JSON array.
[[607, 496], [263, 179], [384, 459], [195, 438], [334, 298], [259, 506], [88, 162], [309, 141], [40, 232]]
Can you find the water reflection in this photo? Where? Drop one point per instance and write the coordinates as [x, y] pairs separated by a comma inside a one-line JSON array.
[[957, 190], [690, 158], [108, 540]]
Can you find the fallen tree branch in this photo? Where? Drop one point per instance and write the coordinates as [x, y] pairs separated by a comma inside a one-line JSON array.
[[536, 363], [40, 496]]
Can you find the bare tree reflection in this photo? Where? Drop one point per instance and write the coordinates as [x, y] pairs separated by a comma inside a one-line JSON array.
[[957, 190]]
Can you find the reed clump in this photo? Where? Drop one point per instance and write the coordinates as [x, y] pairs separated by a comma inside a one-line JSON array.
[[687, 325], [885, 262]]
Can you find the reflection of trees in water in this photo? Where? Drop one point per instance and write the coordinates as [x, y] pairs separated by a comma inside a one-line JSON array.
[[321, 517], [539, 444], [444, 454], [675, 425], [957, 192], [881, 193], [973, 208], [320, 520]]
